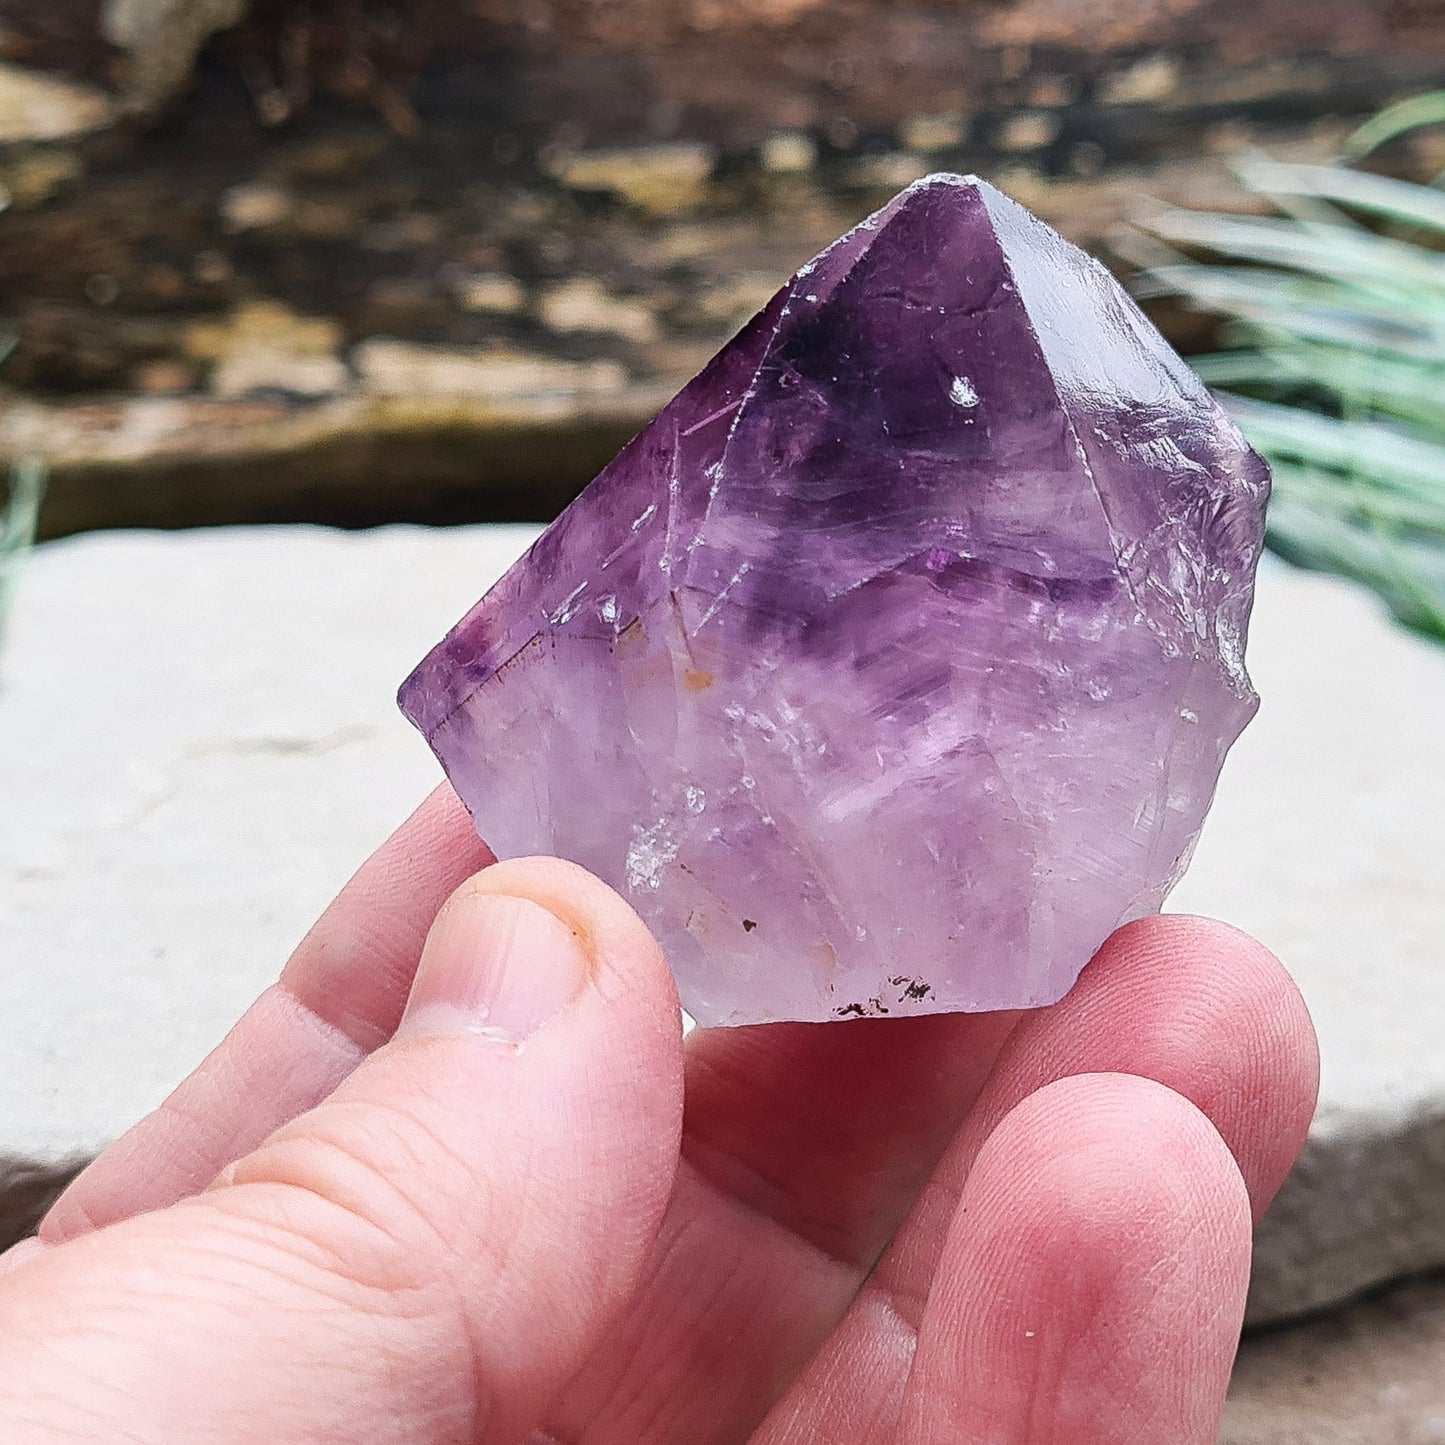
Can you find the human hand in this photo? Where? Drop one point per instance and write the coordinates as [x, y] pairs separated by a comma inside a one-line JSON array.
[[380, 1213]]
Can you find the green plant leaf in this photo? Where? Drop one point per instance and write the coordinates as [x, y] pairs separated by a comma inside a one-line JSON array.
[[1381, 196], [1336, 371], [1356, 258], [18, 523], [1385, 457], [1363, 382], [1308, 307], [1409, 576], [1396, 120]]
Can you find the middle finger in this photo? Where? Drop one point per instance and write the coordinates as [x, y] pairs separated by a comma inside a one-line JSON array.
[[1186, 1002]]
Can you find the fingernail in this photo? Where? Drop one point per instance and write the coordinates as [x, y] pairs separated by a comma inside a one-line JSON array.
[[497, 964]]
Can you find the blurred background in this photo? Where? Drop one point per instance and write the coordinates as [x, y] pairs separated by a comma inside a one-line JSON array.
[[359, 261], [273, 268]]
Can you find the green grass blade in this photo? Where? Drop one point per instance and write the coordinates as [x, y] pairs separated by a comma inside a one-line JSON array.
[[1396, 120], [1312, 308], [1360, 505], [1381, 196], [1378, 264], [1335, 308], [1375, 452], [1362, 382], [18, 523], [1409, 576]]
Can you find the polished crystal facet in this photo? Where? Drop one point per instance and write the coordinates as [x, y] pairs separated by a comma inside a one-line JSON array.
[[893, 665]]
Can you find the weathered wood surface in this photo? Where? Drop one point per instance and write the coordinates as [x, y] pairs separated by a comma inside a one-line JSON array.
[[374, 260]]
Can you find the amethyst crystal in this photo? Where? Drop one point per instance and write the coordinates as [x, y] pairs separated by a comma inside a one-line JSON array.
[[893, 665]]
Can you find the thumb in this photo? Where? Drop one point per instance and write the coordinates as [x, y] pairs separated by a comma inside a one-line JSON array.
[[431, 1252]]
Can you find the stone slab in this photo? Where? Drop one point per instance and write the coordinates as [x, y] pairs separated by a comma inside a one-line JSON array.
[[1372, 1374], [198, 743], [1325, 842]]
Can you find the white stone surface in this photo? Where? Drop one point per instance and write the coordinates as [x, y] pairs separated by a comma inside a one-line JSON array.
[[1327, 842], [198, 743]]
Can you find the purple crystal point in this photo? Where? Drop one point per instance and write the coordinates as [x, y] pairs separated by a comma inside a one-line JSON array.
[[893, 665]]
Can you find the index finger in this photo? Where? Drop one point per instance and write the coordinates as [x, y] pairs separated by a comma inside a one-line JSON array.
[[339, 997]]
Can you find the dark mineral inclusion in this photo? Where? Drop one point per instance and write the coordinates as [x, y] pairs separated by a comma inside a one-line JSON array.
[[893, 665]]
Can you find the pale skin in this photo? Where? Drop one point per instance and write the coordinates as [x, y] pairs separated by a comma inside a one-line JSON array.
[[403, 1202]]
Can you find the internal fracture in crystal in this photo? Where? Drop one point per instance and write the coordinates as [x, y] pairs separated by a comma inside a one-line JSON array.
[[893, 665]]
